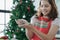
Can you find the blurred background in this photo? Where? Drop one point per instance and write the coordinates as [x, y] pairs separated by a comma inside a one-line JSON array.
[[5, 12]]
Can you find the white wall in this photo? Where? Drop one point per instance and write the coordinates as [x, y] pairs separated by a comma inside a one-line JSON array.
[[58, 6], [36, 3]]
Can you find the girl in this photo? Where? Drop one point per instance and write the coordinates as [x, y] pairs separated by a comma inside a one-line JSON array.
[[44, 24]]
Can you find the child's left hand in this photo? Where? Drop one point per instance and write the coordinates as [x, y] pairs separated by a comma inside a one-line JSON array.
[[22, 23]]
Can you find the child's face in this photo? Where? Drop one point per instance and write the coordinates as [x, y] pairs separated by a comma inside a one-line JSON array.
[[45, 7]]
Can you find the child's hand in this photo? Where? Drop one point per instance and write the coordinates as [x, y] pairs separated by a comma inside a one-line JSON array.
[[18, 21], [22, 23]]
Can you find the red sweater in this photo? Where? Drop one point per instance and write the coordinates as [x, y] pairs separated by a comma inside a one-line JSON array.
[[44, 29]]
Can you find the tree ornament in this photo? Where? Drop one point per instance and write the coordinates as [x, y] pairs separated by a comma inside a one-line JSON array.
[[20, 1], [24, 16], [5, 31], [22, 29], [14, 36], [26, 1], [28, 8]]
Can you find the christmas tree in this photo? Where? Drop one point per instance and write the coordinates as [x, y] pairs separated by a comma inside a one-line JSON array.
[[22, 9]]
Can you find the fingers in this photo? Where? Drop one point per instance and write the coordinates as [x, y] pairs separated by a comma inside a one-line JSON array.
[[21, 21], [24, 21], [20, 25]]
